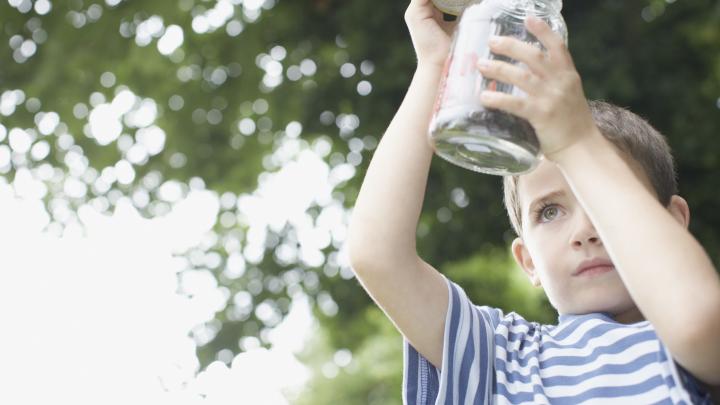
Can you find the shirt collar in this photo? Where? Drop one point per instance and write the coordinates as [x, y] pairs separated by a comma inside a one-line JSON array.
[[565, 318]]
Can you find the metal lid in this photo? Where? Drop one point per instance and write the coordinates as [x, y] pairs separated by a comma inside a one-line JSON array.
[[452, 7]]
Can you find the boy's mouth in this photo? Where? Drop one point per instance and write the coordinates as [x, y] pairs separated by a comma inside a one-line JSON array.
[[593, 267]]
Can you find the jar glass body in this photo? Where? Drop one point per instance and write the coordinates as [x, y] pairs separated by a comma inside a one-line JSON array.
[[462, 131]]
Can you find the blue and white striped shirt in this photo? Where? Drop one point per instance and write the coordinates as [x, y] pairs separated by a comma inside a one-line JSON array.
[[489, 357]]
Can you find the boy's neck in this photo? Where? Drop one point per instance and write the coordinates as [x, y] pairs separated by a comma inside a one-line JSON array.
[[632, 315], [629, 316]]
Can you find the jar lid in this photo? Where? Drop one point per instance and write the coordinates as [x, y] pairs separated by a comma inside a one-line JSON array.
[[522, 8], [452, 7]]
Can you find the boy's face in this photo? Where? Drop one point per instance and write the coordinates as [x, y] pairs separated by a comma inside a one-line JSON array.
[[558, 236]]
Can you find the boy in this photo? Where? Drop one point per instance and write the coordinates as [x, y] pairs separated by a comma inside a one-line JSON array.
[[598, 228]]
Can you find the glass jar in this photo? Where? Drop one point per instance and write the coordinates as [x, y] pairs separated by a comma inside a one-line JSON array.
[[462, 131]]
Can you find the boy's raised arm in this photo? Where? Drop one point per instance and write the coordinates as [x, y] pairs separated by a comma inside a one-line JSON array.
[[384, 221], [666, 271]]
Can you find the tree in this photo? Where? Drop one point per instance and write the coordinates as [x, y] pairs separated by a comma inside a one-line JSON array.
[[126, 96]]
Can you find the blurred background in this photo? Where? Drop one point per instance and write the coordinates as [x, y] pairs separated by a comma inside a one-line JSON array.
[[176, 179]]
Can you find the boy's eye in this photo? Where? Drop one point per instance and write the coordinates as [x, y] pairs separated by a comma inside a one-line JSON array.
[[547, 213]]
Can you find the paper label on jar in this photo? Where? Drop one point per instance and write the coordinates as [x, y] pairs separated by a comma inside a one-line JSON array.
[[462, 81]]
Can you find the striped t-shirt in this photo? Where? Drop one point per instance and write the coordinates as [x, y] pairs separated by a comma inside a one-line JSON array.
[[491, 357]]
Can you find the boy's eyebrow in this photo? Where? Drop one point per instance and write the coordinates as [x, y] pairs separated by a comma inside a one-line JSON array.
[[552, 194]]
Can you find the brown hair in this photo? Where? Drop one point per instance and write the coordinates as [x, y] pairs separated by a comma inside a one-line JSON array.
[[632, 135]]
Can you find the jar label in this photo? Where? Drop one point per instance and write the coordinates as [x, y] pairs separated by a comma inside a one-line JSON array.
[[463, 80]]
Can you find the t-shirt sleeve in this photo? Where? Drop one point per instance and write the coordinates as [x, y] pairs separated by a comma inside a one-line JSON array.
[[690, 389], [467, 372]]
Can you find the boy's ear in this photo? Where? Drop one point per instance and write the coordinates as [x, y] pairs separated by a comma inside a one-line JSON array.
[[679, 209], [523, 259]]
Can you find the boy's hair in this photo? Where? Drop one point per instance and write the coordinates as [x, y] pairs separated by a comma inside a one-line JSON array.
[[632, 135]]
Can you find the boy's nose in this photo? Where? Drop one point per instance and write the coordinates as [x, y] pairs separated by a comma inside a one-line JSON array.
[[584, 233]]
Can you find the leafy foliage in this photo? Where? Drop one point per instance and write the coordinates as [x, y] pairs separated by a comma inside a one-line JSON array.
[[659, 58]]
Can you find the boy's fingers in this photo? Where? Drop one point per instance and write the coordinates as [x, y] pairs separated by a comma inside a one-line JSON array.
[[529, 54], [506, 102], [551, 40], [508, 73]]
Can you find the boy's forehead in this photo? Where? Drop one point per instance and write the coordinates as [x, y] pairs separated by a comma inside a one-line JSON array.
[[547, 178], [544, 179]]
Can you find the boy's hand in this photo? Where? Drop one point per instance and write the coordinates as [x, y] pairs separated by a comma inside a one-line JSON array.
[[431, 36], [555, 103]]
